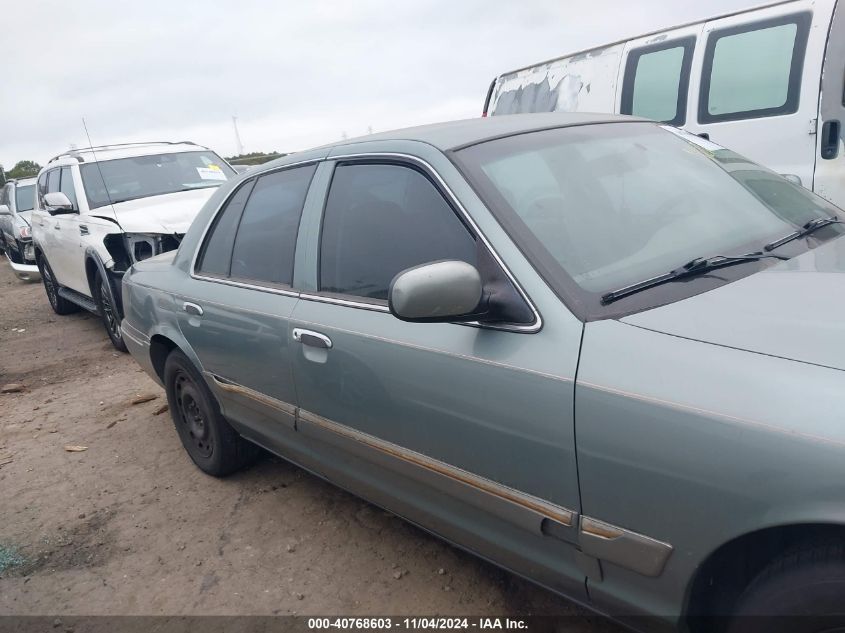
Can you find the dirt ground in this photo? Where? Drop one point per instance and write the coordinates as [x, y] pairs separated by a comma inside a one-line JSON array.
[[131, 526]]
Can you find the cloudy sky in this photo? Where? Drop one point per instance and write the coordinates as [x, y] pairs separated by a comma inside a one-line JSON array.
[[296, 74]]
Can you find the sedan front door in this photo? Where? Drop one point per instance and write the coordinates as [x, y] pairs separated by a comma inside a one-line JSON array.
[[466, 430]]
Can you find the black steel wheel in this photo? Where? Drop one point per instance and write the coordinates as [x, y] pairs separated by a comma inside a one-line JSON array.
[[214, 446]]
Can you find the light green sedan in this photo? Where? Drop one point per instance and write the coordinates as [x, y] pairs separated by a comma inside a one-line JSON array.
[[599, 352]]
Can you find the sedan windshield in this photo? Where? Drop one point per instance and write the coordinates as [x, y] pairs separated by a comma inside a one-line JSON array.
[[24, 198], [115, 181], [610, 205]]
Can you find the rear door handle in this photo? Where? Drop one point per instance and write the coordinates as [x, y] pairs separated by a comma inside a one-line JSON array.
[[192, 308], [314, 339]]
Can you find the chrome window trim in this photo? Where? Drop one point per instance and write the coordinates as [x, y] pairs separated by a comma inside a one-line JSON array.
[[193, 271], [241, 284], [351, 303], [453, 200]]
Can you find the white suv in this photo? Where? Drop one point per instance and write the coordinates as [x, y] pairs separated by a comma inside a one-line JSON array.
[[98, 210]]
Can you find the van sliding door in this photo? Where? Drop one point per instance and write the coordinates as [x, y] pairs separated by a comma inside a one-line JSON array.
[[759, 85], [830, 155]]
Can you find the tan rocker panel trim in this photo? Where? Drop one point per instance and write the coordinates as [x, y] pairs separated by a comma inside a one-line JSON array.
[[231, 387], [557, 513], [637, 552]]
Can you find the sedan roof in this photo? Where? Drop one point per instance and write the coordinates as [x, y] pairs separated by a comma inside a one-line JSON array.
[[456, 134]]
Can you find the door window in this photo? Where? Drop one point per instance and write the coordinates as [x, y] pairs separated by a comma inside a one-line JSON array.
[[657, 81], [66, 186], [216, 254], [266, 238], [381, 219], [42, 188], [53, 178], [754, 70]]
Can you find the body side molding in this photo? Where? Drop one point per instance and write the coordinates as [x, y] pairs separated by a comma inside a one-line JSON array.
[[637, 552]]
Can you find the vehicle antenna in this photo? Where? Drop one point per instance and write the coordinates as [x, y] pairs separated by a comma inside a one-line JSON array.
[[99, 169]]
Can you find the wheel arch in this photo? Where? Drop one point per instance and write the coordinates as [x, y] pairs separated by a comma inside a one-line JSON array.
[[723, 575], [162, 343], [94, 264]]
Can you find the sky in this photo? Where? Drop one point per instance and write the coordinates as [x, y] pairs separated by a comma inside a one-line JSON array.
[[296, 74]]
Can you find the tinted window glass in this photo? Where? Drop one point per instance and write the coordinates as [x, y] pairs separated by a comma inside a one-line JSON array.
[[216, 255], [266, 238], [24, 198], [656, 83], [754, 71], [4, 194], [380, 220], [67, 186]]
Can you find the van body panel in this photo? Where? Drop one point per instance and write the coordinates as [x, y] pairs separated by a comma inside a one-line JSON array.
[[830, 172], [582, 83], [784, 142], [791, 114]]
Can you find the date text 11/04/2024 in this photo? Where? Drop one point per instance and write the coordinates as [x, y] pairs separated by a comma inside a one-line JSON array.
[[421, 623]]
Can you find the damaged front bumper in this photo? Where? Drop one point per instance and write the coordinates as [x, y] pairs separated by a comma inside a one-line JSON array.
[[27, 272]]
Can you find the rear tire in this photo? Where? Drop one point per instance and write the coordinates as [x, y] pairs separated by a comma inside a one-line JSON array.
[[51, 286], [213, 445], [801, 592], [108, 312]]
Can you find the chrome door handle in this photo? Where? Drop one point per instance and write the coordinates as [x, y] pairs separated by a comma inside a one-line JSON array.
[[314, 339], [192, 308]]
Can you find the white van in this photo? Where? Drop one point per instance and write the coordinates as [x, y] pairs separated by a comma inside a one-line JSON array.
[[768, 83]]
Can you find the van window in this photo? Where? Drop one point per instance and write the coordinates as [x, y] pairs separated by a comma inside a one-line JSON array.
[[754, 70], [380, 220], [657, 81], [216, 254], [266, 239]]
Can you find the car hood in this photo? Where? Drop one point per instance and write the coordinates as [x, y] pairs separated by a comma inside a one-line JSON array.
[[168, 213], [794, 309], [26, 216]]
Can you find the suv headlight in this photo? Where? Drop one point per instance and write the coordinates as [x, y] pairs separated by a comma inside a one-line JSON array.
[[24, 232]]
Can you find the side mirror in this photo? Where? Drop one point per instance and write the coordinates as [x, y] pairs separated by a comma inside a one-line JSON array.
[[4, 210], [58, 203], [439, 292]]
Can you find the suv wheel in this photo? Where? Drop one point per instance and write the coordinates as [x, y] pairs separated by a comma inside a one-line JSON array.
[[209, 439], [800, 592], [108, 311], [51, 286]]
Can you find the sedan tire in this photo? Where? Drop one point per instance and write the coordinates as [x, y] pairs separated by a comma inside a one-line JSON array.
[[211, 442], [800, 592]]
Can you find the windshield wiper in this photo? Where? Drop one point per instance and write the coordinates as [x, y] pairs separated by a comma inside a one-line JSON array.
[[812, 225], [697, 266]]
